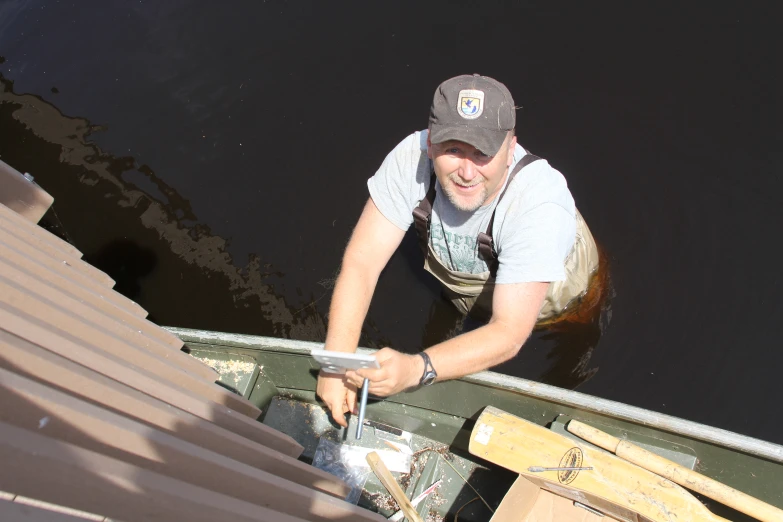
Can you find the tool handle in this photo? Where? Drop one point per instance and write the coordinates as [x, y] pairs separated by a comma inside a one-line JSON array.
[[386, 478], [593, 435], [679, 474]]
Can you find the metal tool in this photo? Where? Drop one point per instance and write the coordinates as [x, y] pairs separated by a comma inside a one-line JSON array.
[[538, 469], [362, 408], [383, 427]]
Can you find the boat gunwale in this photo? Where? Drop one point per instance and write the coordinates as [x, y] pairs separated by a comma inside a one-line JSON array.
[[574, 399]]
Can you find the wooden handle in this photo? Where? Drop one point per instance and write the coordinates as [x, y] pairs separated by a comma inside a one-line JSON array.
[[615, 484], [678, 474], [594, 436], [386, 478]]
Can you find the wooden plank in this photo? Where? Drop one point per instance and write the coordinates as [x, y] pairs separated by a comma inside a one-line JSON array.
[[49, 269], [23, 512], [43, 244], [94, 300], [680, 474], [31, 405], [387, 479], [140, 379], [10, 219], [33, 362], [68, 324], [97, 318], [517, 444], [60, 473], [83, 515], [35, 248], [22, 195], [61, 311]]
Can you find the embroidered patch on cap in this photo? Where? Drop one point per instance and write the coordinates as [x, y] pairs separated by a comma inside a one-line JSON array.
[[470, 103]]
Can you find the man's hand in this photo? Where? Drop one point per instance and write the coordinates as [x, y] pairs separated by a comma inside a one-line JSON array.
[[398, 371], [338, 394]]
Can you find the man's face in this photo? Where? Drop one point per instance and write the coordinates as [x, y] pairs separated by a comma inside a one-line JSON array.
[[469, 177]]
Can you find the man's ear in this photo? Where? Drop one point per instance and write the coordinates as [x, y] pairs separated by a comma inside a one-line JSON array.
[[511, 146], [429, 146]]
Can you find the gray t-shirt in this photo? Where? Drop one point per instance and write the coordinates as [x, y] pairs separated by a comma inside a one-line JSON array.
[[534, 228]]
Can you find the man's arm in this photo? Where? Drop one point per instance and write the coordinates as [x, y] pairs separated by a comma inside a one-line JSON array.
[[372, 244], [515, 310]]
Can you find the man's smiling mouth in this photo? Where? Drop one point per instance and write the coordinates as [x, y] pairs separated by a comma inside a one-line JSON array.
[[465, 186]]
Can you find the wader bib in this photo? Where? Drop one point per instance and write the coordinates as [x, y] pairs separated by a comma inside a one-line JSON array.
[[472, 293]]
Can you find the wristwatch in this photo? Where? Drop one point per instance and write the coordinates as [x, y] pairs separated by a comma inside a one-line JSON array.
[[429, 375]]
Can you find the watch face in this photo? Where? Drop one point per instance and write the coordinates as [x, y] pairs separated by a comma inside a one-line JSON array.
[[429, 378]]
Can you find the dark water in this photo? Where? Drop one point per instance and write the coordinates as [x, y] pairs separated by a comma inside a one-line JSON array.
[[213, 158]]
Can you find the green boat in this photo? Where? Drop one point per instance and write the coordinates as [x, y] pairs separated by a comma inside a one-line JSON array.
[[279, 377]]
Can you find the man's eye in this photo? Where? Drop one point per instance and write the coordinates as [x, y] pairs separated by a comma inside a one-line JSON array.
[[452, 150], [482, 155]]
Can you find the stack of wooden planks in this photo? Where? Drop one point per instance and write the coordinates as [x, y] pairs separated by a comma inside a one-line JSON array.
[[103, 413]]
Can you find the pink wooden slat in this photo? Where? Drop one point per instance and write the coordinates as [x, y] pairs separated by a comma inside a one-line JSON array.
[[65, 323], [142, 380], [9, 218], [33, 362], [30, 405], [109, 323], [34, 247], [48, 269], [61, 473]]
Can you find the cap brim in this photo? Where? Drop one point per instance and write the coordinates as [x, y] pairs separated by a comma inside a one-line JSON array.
[[485, 140]]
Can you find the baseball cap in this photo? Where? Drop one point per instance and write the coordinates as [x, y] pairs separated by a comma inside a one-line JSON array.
[[474, 109]]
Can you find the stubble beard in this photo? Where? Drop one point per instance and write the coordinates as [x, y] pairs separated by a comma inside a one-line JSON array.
[[461, 204]]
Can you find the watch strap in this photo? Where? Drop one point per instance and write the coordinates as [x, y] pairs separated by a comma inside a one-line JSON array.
[[429, 374]]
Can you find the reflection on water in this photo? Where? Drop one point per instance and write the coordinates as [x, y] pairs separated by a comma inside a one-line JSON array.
[[182, 273], [139, 200]]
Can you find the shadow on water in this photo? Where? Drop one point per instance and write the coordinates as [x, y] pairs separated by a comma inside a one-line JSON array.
[[127, 263]]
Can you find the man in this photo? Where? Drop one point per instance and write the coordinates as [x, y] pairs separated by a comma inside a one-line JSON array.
[[500, 232]]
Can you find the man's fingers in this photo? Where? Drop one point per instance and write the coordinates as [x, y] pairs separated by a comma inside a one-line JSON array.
[[350, 402], [354, 378], [385, 354], [370, 373], [338, 413], [378, 379], [381, 389]]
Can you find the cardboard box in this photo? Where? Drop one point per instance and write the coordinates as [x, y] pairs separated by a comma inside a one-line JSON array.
[[528, 501]]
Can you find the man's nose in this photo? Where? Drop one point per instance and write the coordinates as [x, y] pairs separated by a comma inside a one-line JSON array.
[[468, 169]]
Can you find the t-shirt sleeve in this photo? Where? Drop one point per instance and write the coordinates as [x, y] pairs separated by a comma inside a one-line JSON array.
[[398, 186], [537, 248]]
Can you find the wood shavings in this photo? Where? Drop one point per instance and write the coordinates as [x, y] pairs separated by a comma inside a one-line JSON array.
[[433, 516], [384, 502], [236, 368]]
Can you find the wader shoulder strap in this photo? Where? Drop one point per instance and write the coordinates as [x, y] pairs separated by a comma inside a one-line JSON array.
[[422, 217], [486, 244]]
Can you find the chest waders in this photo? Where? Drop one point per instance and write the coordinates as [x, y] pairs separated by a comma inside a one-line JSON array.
[[472, 293]]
